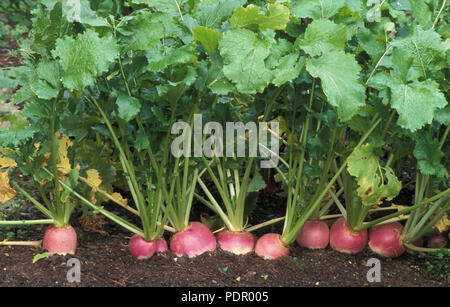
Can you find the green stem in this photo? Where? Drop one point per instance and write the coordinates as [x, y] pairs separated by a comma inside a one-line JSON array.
[[125, 224], [439, 14], [291, 236], [427, 201], [39, 206], [264, 224], [423, 249], [58, 216]]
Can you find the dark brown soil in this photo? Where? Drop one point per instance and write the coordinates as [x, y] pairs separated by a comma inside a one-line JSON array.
[[105, 261], [6, 60]]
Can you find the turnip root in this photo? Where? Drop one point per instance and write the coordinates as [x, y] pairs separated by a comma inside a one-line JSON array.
[[271, 246], [417, 243], [161, 245], [60, 240], [344, 240], [236, 242], [195, 240], [437, 242], [314, 235], [140, 248], [385, 240]]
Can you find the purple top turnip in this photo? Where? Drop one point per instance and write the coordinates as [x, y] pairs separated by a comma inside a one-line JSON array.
[[437, 242], [314, 235], [140, 248], [344, 240], [60, 240], [195, 240], [271, 246], [161, 245], [236, 242], [385, 240]]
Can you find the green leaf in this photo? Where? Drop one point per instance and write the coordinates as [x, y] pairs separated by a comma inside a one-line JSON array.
[[38, 257], [375, 182], [211, 13], [18, 132], [370, 45], [147, 31], [46, 84], [47, 28], [81, 11], [429, 155], [161, 57], [243, 55], [84, 58], [443, 115], [421, 11], [426, 50], [288, 69], [208, 37], [416, 102], [403, 62], [256, 184], [128, 107], [277, 17], [316, 9], [172, 7], [210, 75], [321, 36], [340, 81], [142, 141], [38, 109]]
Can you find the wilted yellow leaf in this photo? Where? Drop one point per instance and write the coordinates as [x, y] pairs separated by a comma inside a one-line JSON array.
[[94, 180], [64, 164], [6, 192], [37, 146], [118, 198], [7, 162], [93, 223], [93, 177], [442, 224]]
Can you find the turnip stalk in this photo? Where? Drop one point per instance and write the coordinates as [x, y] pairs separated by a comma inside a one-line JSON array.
[[235, 195], [296, 204], [152, 218]]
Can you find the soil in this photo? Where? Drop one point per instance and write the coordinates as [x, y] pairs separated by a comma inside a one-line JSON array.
[[106, 262]]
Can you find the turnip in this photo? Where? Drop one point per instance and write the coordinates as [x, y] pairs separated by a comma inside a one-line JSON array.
[[385, 240], [236, 242], [416, 243], [437, 242], [271, 246], [195, 240], [140, 248], [60, 240], [161, 245], [314, 235], [345, 240]]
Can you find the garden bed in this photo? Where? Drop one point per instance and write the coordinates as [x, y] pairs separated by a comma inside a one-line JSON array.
[[105, 261]]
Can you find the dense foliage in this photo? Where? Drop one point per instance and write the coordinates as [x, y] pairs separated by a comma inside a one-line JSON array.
[[360, 93]]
